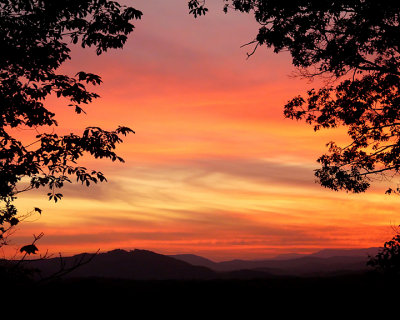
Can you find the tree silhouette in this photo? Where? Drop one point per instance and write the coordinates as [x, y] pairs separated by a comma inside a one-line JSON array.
[[356, 44], [35, 40], [387, 259]]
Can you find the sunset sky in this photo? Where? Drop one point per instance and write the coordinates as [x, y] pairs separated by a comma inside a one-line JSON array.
[[214, 168]]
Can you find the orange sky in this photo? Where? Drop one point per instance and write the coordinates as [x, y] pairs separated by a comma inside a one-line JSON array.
[[214, 168]]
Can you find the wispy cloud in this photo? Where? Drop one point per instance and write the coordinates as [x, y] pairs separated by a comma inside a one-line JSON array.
[[213, 168]]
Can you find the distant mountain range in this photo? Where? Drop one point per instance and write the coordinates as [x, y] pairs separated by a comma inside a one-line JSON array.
[[324, 261], [147, 265]]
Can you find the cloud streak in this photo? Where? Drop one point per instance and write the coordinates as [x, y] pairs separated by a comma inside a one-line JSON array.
[[214, 168]]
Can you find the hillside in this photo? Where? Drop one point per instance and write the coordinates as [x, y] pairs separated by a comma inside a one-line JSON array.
[[121, 264]]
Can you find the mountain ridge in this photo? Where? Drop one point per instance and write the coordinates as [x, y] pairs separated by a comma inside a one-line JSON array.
[[136, 264], [236, 264], [139, 264]]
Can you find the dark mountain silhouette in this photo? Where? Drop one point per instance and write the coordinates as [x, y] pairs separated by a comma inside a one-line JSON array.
[[147, 265], [134, 265], [195, 260]]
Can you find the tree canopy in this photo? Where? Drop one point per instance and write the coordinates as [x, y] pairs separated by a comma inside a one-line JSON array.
[[35, 40], [356, 44]]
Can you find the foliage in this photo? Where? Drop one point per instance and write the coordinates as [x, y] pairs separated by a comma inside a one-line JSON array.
[[388, 258], [197, 8], [35, 40], [356, 44]]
